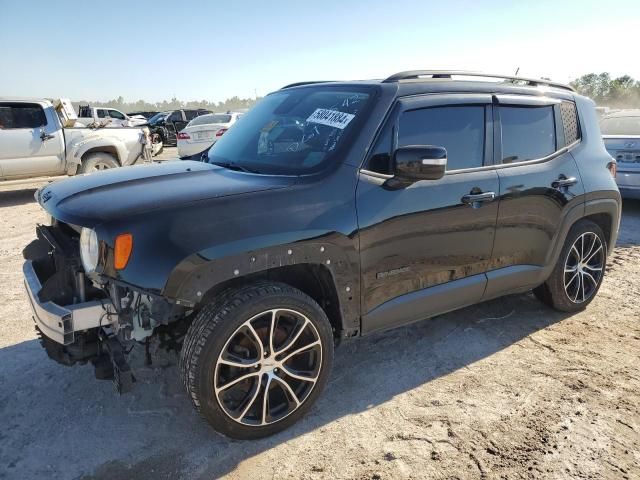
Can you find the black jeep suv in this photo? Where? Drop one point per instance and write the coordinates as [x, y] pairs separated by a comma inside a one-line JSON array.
[[332, 210]]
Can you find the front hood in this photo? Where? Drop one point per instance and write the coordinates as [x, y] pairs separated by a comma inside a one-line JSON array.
[[89, 200]]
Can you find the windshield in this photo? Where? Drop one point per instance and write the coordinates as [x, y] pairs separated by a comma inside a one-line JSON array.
[[292, 132], [210, 118], [620, 126], [159, 117]]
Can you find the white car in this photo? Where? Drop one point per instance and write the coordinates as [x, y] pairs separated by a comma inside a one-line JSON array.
[[202, 132]]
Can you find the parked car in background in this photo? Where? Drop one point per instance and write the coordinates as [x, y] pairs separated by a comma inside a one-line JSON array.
[[107, 117], [329, 211], [146, 115], [166, 125], [202, 132], [34, 143], [621, 135]]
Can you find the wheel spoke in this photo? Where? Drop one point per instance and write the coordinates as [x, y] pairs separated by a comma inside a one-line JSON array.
[[295, 338], [265, 401], [575, 299], [593, 254], [271, 331], [300, 350], [571, 269], [288, 389], [251, 401], [230, 384], [297, 375], [258, 340], [595, 269], [590, 277], [575, 275], [593, 244], [238, 363]]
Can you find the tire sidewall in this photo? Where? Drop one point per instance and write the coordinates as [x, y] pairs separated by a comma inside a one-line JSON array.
[[232, 319]]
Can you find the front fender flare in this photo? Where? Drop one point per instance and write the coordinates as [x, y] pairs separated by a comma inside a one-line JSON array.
[[195, 276]]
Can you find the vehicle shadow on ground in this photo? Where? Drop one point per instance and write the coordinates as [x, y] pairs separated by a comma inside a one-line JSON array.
[[61, 420], [13, 198]]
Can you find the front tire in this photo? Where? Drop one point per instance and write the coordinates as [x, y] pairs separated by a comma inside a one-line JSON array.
[[255, 360], [96, 162], [578, 274]]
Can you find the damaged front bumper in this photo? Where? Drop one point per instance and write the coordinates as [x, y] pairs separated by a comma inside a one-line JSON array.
[[62, 323]]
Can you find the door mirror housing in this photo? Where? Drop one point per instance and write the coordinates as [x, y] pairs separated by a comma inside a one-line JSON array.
[[419, 162]]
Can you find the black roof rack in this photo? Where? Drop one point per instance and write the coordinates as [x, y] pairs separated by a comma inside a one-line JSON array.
[[298, 84], [415, 74]]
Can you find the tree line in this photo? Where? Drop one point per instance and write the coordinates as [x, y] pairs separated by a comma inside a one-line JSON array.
[[233, 103], [621, 92]]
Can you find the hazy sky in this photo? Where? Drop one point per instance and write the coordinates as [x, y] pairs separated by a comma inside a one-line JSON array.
[[212, 50]]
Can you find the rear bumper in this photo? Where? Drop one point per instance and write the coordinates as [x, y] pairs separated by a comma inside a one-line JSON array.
[[60, 323]]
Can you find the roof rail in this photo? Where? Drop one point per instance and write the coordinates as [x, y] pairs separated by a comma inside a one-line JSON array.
[[298, 84], [415, 74]]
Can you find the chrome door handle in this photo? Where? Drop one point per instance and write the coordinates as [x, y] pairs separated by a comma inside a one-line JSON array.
[[562, 182], [476, 199]]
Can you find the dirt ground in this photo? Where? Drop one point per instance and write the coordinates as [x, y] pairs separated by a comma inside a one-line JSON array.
[[505, 389]]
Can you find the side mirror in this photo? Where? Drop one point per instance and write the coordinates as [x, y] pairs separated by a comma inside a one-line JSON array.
[[419, 162]]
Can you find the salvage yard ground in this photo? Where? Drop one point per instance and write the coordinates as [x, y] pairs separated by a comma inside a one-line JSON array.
[[505, 389]]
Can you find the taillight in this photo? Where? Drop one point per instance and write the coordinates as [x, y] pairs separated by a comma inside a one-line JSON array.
[[613, 168], [183, 136], [220, 132]]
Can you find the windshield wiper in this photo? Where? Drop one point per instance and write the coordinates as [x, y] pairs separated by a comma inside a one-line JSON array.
[[235, 166]]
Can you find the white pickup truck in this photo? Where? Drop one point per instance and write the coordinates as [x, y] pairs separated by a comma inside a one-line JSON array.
[[107, 117], [34, 143]]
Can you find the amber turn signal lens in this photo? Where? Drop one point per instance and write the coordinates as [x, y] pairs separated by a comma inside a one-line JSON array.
[[122, 250], [613, 168]]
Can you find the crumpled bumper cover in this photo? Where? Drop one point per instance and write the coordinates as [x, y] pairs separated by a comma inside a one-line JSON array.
[[60, 323]]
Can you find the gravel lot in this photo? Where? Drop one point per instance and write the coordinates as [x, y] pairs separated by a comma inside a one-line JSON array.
[[505, 389]]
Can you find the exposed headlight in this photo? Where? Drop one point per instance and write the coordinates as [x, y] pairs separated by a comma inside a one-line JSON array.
[[89, 249]]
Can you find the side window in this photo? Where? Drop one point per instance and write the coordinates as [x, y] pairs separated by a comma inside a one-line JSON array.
[[191, 114], [527, 133], [570, 123], [116, 114], [459, 129], [21, 115], [102, 113]]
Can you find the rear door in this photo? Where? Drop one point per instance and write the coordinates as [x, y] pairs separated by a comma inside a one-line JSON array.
[[539, 181], [31, 142], [425, 249]]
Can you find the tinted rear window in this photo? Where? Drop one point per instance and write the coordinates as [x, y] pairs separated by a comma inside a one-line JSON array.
[[206, 119], [21, 115], [620, 126], [527, 133], [459, 129]]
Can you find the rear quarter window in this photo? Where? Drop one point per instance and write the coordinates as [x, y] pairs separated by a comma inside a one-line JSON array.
[[570, 123]]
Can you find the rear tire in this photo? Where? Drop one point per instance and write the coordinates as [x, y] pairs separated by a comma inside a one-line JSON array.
[[578, 274], [255, 360], [96, 162]]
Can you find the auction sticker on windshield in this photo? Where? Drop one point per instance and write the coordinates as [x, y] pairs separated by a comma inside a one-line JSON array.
[[330, 118]]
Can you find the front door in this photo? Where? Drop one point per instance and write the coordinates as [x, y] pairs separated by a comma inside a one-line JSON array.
[[31, 142], [424, 249]]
